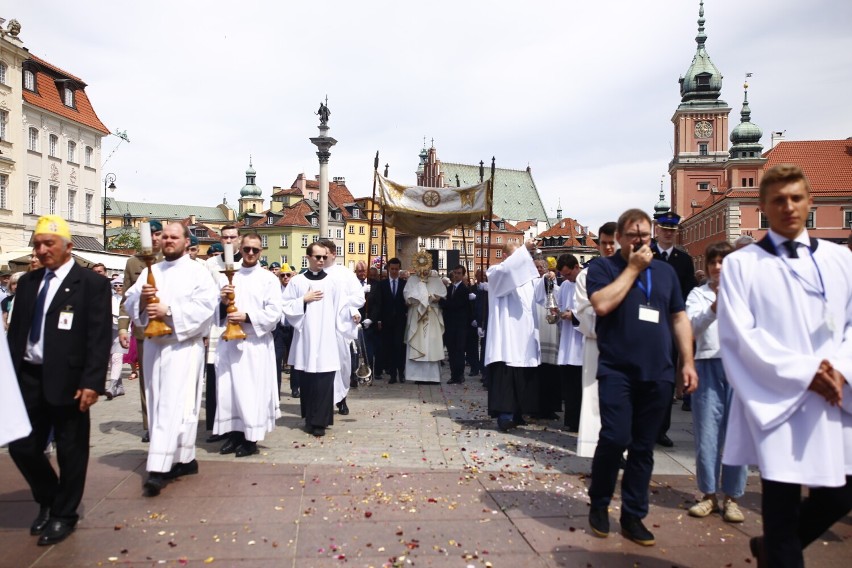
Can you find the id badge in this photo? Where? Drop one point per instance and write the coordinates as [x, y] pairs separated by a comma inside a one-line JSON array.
[[65, 320], [649, 314]]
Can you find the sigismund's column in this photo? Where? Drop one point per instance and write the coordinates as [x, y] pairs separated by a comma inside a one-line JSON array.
[[323, 142]]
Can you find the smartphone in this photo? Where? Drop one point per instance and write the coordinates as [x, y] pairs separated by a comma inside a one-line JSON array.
[[637, 246]]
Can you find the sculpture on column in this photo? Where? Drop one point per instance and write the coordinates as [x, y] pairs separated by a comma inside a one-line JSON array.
[[323, 113]]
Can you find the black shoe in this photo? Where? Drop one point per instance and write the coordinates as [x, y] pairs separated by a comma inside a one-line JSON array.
[[231, 445], [402, 379], [505, 425], [519, 420], [213, 438], [686, 406], [181, 469], [295, 393], [353, 383], [633, 529], [456, 381], [599, 521], [665, 441], [342, 408], [392, 381], [40, 522], [109, 395], [146, 438], [56, 531], [758, 551], [318, 431], [246, 449], [473, 373], [153, 485]]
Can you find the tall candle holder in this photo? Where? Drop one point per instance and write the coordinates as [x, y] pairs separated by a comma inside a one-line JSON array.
[[156, 327], [233, 330]]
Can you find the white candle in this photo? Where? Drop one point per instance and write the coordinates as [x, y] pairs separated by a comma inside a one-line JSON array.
[[229, 255], [145, 236]]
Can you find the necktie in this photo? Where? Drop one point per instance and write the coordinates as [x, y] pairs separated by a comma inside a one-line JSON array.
[[38, 314], [791, 248], [393, 288], [665, 256]]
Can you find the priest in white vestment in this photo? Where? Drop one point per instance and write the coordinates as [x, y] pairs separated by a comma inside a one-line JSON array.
[[173, 364], [318, 310], [785, 326], [549, 381], [425, 329], [570, 343], [247, 389], [512, 350]]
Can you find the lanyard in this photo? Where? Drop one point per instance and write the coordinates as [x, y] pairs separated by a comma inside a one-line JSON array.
[[800, 278], [642, 286]]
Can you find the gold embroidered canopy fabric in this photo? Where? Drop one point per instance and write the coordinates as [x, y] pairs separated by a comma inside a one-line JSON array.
[[425, 211]]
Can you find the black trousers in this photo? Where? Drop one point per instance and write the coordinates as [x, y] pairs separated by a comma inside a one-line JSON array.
[[790, 524], [62, 492], [393, 349], [550, 388], [512, 390], [317, 400], [572, 393], [455, 339], [210, 397]]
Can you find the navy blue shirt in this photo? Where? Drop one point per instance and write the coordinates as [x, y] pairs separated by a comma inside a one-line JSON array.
[[628, 346]]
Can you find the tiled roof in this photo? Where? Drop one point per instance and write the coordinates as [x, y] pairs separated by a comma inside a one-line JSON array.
[[826, 163], [515, 193], [524, 225], [48, 97], [87, 243], [288, 191], [166, 211], [569, 229]]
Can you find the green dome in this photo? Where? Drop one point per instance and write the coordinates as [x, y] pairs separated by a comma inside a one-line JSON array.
[[745, 137], [250, 189], [702, 81]]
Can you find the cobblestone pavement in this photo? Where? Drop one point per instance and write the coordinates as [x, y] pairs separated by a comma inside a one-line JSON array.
[[416, 475]]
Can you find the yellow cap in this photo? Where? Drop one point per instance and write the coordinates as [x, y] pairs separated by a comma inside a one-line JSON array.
[[286, 267], [53, 225], [551, 263]]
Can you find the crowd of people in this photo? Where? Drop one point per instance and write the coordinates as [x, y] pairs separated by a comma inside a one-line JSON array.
[[760, 356]]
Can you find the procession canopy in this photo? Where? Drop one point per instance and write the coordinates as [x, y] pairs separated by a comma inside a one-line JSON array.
[[425, 211]]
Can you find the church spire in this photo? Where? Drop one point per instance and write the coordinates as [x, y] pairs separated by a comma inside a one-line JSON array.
[[702, 81]]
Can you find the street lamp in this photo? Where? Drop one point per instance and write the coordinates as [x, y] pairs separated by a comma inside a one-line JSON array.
[[109, 183]]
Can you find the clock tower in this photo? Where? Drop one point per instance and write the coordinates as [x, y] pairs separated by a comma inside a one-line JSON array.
[[700, 131]]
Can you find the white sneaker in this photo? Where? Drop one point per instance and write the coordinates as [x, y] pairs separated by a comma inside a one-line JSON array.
[[731, 511], [706, 506]]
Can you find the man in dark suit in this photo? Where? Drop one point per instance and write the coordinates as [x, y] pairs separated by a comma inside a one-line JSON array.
[[60, 341], [390, 313], [664, 249], [457, 317]]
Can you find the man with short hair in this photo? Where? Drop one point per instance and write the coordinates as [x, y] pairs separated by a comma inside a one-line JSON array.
[[59, 343], [282, 337], [570, 359], [247, 392], [115, 386], [456, 309], [640, 313], [784, 312], [318, 310], [391, 314], [275, 268], [185, 298], [99, 268], [5, 276], [132, 269], [549, 381]]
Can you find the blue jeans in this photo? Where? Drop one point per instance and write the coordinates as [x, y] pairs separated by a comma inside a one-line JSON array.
[[710, 405]]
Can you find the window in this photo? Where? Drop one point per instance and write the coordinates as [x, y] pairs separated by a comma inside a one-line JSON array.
[[2, 72], [314, 221], [339, 233], [29, 80], [88, 157], [470, 248], [702, 149], [703, 186], [374, 250], [283, 259], [4, 183], [356, 213], [499, 253], [69, 97], [53, 145], [498, 240], [284, 240], [4, 118], [847, 221], [72, 151], [351, 229], [361, 230], [304, 262], [89, 207], [32, 142], [315, 239], [52, 193], [33, 197], [304, 241], [270, 220], [264, 259], [72, 202], [361, 248], [339, 250], [375, 233], [811, 222], [264, 241], [351, 248], [478, 253], [432, 243]]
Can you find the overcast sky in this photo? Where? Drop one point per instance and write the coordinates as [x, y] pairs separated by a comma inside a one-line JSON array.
[[582, 92]]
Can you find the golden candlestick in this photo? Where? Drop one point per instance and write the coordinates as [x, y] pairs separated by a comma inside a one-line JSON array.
[[233, 330], [156, 327]]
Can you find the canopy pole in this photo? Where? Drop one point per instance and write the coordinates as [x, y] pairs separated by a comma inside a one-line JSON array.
[[372, 215], [490, 209]]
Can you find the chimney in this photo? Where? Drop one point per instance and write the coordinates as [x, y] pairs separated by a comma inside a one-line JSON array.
[[192, 219], [777, 137]]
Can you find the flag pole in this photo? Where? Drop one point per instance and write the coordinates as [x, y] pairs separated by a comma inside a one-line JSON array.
[[372, 216], [490, 209]]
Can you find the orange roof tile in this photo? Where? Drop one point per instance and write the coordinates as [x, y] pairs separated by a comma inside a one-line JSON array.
[[826, 163], [570, 229], [47, 96]]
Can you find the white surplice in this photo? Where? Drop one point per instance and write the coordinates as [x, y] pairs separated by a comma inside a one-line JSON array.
[[14, 421], [424, 331], [354, 298], [570, 338], [512, 326], [590, 413], [548, 333], [246, 385], [775, 329], [173, 365], [215, 265]]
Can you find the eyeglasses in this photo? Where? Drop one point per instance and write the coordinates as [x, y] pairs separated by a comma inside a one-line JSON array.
[[642, 236], [251, 250], [284, 275], [320, 256]]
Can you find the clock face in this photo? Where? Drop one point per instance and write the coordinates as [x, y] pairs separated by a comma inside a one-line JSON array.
[[703, 129]]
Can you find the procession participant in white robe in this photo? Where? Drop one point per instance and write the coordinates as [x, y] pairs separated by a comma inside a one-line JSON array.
[[355, 298], [425, 329], [318, 310], [247, 392], [14, 422], [570, 344], [512, 350], [785, 327], [215, 264], [590, 415], [174, 364], [550, 387]]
